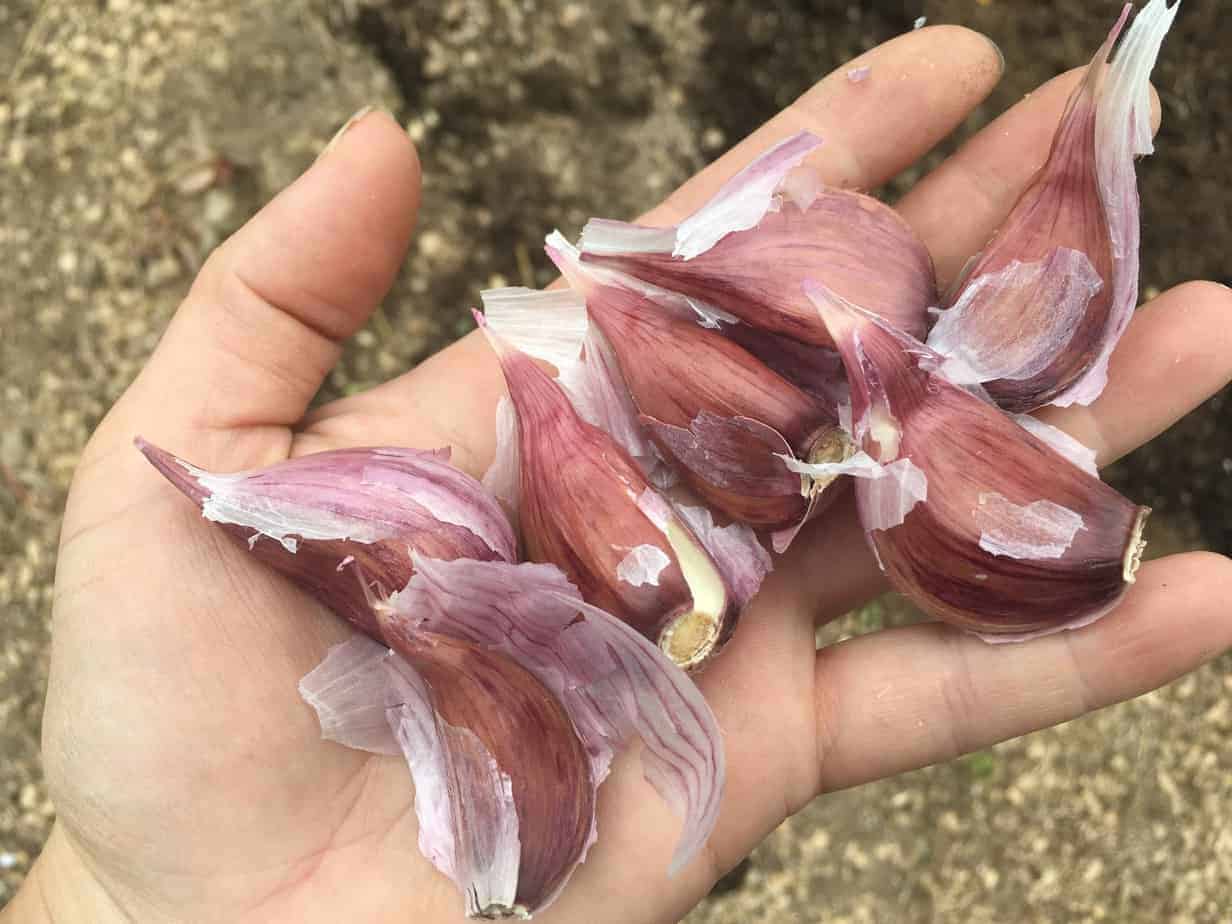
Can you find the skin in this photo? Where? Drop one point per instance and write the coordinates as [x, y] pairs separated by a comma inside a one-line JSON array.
[[191, 782]]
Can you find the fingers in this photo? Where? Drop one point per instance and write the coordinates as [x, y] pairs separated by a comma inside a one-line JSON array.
[[829, 569], [1176, 353], [936, 692], [262, 324], [957, 207], [921, 85]]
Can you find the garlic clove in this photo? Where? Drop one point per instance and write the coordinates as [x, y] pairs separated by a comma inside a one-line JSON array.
[[586, 506], [553, 326], [314, 517], [484, 733], [611, 680], [815, 370], [979, 521], [504, 792], [735, 464], [489, 658], [1041, 309], [747, 251], [714, 411]]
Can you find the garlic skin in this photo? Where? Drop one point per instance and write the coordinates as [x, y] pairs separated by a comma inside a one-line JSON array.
[[719, 415], [321, 518], [1041, 309], [508, 696], [585, 505], [745, 254], [976, 519]]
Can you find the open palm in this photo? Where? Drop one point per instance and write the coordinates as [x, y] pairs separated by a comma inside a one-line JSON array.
[[190, 780]]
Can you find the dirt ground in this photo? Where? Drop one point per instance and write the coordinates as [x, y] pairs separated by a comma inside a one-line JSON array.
[[134, 136]]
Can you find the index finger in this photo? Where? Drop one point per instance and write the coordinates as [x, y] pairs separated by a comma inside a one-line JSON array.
[[919, 87]]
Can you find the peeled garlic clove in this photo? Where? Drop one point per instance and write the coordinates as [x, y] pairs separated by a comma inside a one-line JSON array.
[[976, 519], [511, 828], [1041, 309], [747, 251], [318, 518], [585, 506]]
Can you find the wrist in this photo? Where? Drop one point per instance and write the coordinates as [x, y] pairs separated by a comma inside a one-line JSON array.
[[60, 889]]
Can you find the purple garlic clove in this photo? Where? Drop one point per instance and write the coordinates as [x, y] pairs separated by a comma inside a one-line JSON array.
[[745, 254], [1041, 309], [719, 415], [979, 521], [585, 505], [320, 518], [508, 696]]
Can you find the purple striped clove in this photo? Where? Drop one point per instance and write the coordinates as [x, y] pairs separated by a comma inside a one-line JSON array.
[[1041, 309], [745, 254], [980, 521], [321, 518], [586, 506], [508, 696]]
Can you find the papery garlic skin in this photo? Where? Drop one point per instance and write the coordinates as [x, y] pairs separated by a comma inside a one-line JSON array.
[[748, 250], [323, 518], [987, 527], [1041, 309], [585, 506]]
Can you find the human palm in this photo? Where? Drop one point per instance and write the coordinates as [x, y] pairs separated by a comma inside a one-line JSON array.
[[190, 780]]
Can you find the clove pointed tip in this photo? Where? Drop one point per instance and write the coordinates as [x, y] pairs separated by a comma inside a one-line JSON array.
[[184, 476], [837, 314]]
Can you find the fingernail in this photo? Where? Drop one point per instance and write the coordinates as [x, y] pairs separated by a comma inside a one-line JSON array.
[[1000, 54], [346, 127]]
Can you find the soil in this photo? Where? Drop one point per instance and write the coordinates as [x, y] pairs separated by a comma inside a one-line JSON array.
[[134, 136]]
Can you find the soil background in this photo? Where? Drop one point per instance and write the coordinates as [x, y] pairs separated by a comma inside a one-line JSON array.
[[134, 136]]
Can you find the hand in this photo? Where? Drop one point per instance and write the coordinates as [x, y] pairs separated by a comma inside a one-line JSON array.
[[191, 782]]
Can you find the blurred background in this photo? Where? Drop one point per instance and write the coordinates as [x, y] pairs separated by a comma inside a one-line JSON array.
[[135, 135]]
